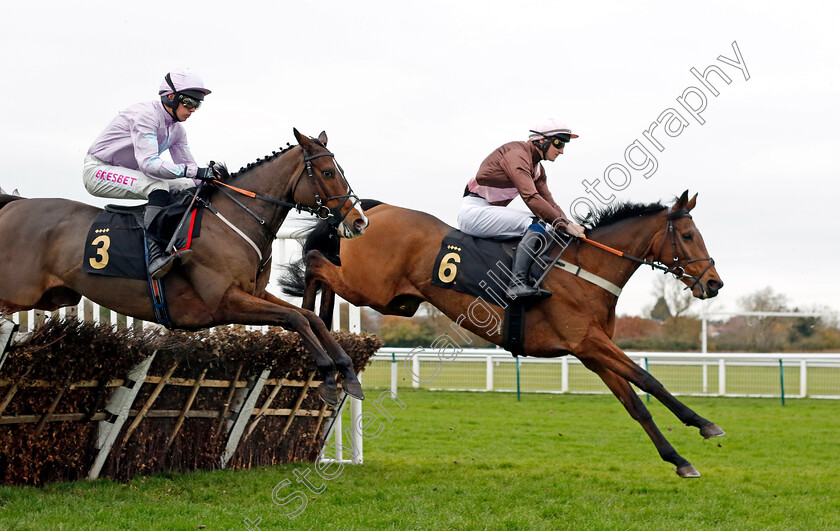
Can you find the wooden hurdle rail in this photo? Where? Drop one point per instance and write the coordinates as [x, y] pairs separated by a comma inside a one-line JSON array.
[[237, 419]]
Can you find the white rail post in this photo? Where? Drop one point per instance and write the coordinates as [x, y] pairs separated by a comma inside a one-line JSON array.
[[564, 374], [803, 378], [415, 369], [354, 319], [705, 376], [336, 324], [357, 439], [721, 376], [394, 374], [7, 333], [336, 427], [704, 342], [489, 372]]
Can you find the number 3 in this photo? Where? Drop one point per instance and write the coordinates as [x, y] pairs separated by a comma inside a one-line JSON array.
[[102, 252], [448, 269]]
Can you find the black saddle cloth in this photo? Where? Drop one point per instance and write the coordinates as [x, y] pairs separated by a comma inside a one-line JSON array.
[[480, 266], [473, 265], [115, 245]]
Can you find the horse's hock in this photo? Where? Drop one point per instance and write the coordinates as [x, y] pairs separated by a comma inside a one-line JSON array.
[[80, 400]]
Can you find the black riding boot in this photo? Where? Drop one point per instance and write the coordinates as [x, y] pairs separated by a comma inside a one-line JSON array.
[[159, 261], [520, 284]]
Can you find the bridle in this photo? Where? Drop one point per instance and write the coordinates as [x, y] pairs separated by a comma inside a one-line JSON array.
[[321, 210], [676, 241], [331, 214]]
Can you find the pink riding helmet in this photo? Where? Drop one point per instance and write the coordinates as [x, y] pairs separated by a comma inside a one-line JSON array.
[[549, 127], [182, 79]]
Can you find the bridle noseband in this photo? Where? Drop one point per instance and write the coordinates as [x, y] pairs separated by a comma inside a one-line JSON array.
[[332, 214], [321, 210], [676, 241]]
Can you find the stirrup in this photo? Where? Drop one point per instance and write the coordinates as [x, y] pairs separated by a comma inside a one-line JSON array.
[[162, 265], [524, 291]]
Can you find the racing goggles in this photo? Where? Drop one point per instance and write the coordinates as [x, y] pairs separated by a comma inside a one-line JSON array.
[[189, 102], [557, 142]]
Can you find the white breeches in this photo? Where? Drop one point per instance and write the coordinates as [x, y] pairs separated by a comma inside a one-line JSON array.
[[104, 180]]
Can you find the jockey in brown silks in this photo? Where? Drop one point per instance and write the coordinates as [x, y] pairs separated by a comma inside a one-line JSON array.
[[515, 169]]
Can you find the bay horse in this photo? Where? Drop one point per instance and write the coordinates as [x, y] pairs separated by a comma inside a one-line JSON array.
[[391, 267], [43, 244]]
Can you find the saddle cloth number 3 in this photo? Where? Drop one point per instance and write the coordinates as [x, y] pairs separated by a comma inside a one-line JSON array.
[[101, 259]]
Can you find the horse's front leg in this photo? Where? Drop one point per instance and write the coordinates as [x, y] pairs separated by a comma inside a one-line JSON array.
[[241, 308], [351, 384], [631, 402], [608, 355]]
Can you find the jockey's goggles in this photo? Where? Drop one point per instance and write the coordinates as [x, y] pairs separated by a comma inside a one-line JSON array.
[[188, 102], [556, 142]]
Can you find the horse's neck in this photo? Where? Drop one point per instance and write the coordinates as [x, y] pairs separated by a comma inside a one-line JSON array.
[[633, 237], [274, 178]]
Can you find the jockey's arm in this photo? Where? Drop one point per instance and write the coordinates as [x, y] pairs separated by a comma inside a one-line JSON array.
[[147, 153]]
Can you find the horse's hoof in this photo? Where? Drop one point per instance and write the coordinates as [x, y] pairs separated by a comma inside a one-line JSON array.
[[353, 389], [688, 471], [711, 430], [329, 396]]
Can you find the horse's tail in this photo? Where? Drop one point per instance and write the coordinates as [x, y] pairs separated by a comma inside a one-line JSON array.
[[321, 237]]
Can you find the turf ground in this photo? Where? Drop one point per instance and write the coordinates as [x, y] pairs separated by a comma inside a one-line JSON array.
[[454, 460]]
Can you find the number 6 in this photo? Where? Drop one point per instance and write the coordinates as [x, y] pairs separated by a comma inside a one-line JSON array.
[[448, 269]]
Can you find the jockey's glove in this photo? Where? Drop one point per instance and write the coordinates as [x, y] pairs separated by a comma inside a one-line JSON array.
[[205, 174]]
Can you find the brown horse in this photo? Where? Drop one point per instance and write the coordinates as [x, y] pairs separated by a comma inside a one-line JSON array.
[[43, 247], [391, 269]]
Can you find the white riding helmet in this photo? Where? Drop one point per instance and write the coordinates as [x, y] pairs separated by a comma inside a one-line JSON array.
[[550, 127]]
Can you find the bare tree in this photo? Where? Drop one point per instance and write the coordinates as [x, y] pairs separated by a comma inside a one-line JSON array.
[[678, 299], [766, 333]]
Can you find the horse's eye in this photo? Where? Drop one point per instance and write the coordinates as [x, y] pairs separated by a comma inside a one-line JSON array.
[[328, 174], [687, 236]]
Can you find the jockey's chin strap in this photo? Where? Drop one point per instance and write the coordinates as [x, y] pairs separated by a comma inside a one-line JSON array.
[[674, 269]]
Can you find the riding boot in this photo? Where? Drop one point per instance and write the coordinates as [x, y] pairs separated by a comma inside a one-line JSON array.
[[520, 283], [160, 262]]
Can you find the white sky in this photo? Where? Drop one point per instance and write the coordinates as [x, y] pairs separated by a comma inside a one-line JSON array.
[[414, 95]]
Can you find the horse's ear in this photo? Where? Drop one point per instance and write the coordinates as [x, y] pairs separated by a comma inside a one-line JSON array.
[[297, 134], [681, 202], [691, 203], [323, 138]]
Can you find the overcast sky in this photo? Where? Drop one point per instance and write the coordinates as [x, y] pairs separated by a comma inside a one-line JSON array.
[[413, 96]]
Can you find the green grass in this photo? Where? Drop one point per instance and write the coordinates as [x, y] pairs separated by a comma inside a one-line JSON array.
[[485, 461]]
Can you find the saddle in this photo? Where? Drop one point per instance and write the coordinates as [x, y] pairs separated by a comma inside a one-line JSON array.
[[482, 268], [116, 246]]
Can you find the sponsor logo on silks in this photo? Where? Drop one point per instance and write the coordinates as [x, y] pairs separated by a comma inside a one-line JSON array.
[[117, 178]]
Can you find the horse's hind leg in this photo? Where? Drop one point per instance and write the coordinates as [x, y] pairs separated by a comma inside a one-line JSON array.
[[605, 353], [351, 384], [628, 397]]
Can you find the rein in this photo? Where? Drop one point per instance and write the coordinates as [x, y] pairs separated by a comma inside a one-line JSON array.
[[676, 270], [321, 209]]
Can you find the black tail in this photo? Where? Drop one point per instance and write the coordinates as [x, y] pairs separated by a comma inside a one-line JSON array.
[[321, 237]]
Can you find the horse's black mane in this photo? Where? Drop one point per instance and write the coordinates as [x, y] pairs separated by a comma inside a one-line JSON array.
[[224, 173], [618, 212]]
